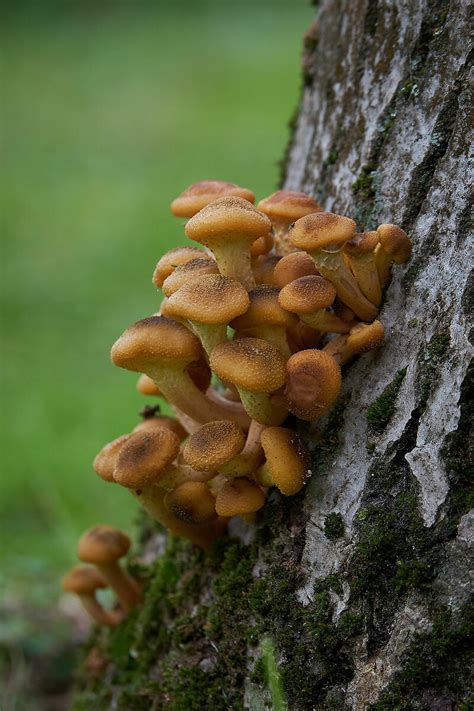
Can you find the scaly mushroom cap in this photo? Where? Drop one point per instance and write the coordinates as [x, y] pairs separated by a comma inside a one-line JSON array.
[[313, 384], [307, 295], [152, 340], [191, 502], [395, 242], [321, 230], [105, 461], [250, 363], [365, 336], [213, 445], [188, 273], [362, 243], [173, 259], [288, 459], [159, 422], [102, 544], [145, 457], [226, 219], [293, 266], [83, 580], [147, 386], [213, 299], [263, 268], [265, 309], [200, 194], [239, 496], [288, 205]]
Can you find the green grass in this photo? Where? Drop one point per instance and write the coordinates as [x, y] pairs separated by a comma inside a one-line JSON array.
[[107, 116]]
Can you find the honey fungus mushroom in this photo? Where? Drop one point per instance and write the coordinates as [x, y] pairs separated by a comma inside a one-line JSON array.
[[361, 253], [173, 259], [313, 383], [293, 266], [191, 502], [283, 208], [84, 581], [362, 338], [287, 463], [394, 246], [310, 297], [200, 194], [239, 497]]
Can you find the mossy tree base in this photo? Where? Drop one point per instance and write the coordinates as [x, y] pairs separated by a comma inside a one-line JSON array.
[[362, 581]]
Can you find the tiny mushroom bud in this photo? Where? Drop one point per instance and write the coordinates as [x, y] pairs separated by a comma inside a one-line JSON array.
[[287, 461], [239, 496], [262, 245], [187, 273], [313, 384], [310, 297], [84, 580], [228, 227], [173, 259], [362, 338], [283, 208], [209, 305], [191, 502], [200, 194], [164, 349], [293, 266], [105, 461], [361, 253], [257, 369], [103, 546], [395, 246], [265, 318], [323, 236], [146, 386]]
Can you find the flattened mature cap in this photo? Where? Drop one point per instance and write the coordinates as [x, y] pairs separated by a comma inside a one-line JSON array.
[[264, 309], [307, 295], [191, 502], [321, 230], [227, 217], [293, 266], [288, 459], [188, 272], [105, 461], [239, 496], [102, 544], [213, 445], [83, 580], [200, 194], [175, 258], [213, 299], [250, 363], [152, 340], [395, 242], [144, 458], [362, 243], [314, 382], [288, 205]]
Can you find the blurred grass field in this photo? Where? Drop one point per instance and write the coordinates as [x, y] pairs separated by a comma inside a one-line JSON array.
[[109, 112]]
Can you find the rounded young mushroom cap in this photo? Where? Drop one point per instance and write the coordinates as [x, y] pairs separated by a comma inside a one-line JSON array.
[[144, 459], [83, 580], [264, 309], [293, 266], [105, 461], [362, 338], [395, 242], [191, 502], [213, 445], [173, 259], [361, 243], [159, 422], [249, 363], [313, 384], [307, 295], [262, 245], [322, 230], [188, 273], [226, 219], [200, 194], [146, 386], [239, 496], [288, 206], [213, 299], [288, 460], [102, 544]]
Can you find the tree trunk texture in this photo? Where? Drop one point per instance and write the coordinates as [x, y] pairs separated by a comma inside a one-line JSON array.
[[361, 582]]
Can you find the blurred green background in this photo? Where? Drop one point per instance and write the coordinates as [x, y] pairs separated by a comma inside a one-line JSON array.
[[109, 111]]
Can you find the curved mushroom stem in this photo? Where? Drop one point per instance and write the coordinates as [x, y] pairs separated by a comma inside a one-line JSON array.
[[365, 271], [95, 610], [210, 335], [276, 335], [234, 261], [123, 585], [383, 262], [259, 407], [325, 322], [247, 461]]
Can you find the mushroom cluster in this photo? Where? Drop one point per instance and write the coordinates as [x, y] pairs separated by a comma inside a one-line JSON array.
[[253, 328]]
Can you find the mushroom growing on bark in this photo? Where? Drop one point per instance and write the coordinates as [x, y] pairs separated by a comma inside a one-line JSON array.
[[287, 463], [84, 581], [283, 208]]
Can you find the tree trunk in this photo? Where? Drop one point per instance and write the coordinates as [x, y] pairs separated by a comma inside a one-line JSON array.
[[361, 583]]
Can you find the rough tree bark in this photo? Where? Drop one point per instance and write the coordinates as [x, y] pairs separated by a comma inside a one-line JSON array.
[[362, 582]]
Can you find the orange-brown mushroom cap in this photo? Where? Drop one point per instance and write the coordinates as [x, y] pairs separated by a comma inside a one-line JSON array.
[[173, 259], [249, 363], [191, 502], [362, 243], [288, 205], [264, 309], [307, 295], [395, 242], [145, 457], [239, 496], [321, 230], [214, 444], [102, 544], [157, 422], [188, 273], [293, 266], [263, 268], [146, 386], [288, 459], [83, 580], [225, 219], [105, 461], [200, 194], [365, 336], [213, 299], [313, 383]]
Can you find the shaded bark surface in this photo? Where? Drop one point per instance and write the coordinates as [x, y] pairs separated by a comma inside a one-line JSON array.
[[363, 580]]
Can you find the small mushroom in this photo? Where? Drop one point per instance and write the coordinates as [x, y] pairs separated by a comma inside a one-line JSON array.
[[103, 546], [228, 227], [283, 208], [191, 502], [157, 422], [257, 369], [214, 445], [361, 253], [287, 461], [105, 461], [262, 245], [313, 384], [394, 246], [188, 273], [173, 259], [84, 581], [200, 194], [362, 338], [239, 496], [293, 266], [309, 297]]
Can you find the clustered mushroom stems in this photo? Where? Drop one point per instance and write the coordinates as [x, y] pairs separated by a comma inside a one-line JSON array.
[[282, 298]]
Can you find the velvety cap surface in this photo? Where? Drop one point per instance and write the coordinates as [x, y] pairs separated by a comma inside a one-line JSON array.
[[144, 458], [102, 544], [307, 295], [321, 230], [227, 217], [293, 266], [239, 496], [288, 459], [288, 205], [173, 259], [188, 273], [313, 384], [191, 502], [362, 243], [213, 445], [200, 194], [264, 309], [83, 580], [213, 299], [105, 461], [250, 363]]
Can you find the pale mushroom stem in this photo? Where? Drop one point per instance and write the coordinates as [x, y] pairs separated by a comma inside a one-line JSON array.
[[331, 265], [247, 461], [264, 476], [366, 274], [95, 610], [383, 262], [234, 261], [210, 335], [180, 391], [124, 587], [260, 407], [326, 322]]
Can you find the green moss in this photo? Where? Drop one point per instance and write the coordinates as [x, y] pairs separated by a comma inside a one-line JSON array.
[[328, 439], [412, 574], [380, 412], [334, 526], [363, 186], [432, 358]]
